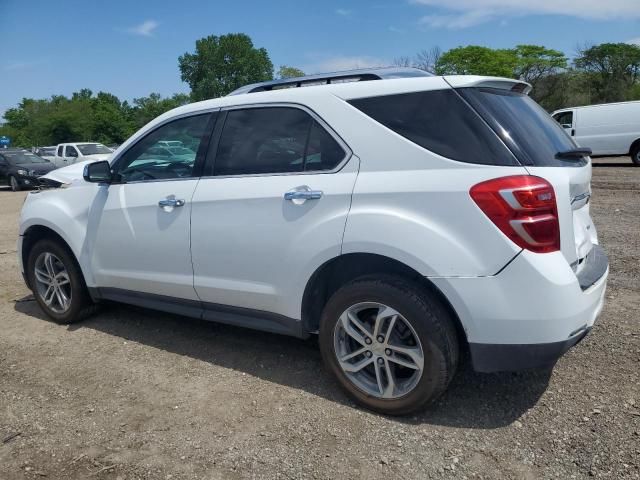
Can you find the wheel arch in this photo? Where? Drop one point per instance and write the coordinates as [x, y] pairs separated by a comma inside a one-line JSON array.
[[37, 232], [635, 144], [334, 273]]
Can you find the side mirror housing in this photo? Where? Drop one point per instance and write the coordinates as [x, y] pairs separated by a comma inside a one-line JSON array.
[[97, 172]]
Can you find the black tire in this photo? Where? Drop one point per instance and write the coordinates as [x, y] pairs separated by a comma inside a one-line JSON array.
[[635, 154], [81, 305], [428, 317], [14, 184]]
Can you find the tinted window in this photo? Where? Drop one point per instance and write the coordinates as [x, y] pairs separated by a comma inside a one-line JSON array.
[[274, 140], [150, 160], [323, 152], [70, 151], [531, 134], [93, 149], [60, 151], [439, 121]]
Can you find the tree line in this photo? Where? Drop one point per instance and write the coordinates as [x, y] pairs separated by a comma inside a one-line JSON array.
[[609, 72], [602, 73]]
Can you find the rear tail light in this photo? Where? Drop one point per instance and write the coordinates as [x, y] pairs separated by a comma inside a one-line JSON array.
[[524, 208]]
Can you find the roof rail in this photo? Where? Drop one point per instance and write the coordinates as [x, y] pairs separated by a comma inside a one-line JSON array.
[[358, 75]]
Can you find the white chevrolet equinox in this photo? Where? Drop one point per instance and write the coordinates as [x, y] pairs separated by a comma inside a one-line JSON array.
[[404, 218]]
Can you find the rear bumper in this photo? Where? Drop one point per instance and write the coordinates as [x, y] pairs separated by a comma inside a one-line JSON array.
[[488, 357], [529, 314]]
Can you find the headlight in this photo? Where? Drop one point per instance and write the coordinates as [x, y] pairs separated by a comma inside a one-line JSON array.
[[22, 172]]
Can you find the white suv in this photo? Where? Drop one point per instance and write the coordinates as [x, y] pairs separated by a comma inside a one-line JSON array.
[[404, 220]]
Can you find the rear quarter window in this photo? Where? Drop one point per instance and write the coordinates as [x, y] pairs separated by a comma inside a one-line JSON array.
[[441, 122], [524, 126]]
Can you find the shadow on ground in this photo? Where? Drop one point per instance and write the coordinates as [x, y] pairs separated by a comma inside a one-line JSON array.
[[482, 401]]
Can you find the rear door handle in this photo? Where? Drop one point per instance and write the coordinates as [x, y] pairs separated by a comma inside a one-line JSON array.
[[171, 202], [306, 194]]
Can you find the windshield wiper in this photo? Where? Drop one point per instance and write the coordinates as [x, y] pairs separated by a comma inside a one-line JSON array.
[[574, 153]]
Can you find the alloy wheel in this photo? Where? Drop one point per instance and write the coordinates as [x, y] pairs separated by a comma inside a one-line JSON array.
[[53, 284], [378, 350]]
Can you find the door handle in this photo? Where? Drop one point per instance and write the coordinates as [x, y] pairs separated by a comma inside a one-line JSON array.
[[171, 202], [306, 194]]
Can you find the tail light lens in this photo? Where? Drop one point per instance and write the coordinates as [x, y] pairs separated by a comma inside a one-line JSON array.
[[524, 208]]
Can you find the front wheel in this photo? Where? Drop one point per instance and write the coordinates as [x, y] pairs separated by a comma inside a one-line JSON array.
[[14, 184], [390, 343], [635, 155], [57, 282]]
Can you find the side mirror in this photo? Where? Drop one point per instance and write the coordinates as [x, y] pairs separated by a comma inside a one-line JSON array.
[[97, 172]]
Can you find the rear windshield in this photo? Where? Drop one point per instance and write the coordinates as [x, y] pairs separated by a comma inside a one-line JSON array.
[[441, 122], [523, 125]]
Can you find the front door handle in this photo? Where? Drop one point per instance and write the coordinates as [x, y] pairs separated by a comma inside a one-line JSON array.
[[303, 194], [171, 202]]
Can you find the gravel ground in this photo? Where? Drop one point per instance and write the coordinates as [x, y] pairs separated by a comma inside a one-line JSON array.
[[133, 393]]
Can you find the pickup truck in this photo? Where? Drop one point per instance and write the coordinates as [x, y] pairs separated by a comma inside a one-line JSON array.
[[70, 153]]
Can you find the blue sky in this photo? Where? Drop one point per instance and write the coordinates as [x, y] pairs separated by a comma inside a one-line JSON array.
[[130, 48]]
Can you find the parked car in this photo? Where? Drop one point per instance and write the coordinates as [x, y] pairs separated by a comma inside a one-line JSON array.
[[402, 220], [48, 153], [69, 153], [21, 169], [607, 129]]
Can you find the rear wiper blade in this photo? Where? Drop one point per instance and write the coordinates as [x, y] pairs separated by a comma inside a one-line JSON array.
[[574, 153]]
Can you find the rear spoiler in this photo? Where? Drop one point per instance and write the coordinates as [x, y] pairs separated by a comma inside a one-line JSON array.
[[460, 81]]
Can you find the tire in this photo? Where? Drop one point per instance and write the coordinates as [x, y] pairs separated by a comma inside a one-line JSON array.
[[71, 282], [635, 154], [419, 314], [14, 184]]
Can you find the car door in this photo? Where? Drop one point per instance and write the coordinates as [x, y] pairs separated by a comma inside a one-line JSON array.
[[271, 208], [70, 155], [141, 240]]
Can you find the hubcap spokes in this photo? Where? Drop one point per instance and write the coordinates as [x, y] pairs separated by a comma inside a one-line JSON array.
[[378, 350], [52, 282]]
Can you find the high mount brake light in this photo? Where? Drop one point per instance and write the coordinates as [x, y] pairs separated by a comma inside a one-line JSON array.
[[524, 208]]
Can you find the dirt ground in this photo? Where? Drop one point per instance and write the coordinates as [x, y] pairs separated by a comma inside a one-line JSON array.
[[133, 393]]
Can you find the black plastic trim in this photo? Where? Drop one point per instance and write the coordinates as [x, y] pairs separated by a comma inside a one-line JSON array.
[[489, 358], [595, 266], [230, 315]]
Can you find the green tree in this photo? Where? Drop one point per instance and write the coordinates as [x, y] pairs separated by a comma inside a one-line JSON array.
[[146, 109], [289, 72], [477, 60], [223, 63], [535, 62], [614, 70]]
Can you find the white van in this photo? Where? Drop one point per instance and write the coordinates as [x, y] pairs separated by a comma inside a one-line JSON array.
[[607, 129]]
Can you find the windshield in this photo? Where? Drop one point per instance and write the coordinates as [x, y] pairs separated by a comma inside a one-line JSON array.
[[18, 158], [93, 149], [524, 126]]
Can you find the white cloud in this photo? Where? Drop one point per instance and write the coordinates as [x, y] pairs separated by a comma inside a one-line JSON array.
[[338, 63], [145, 29], [343, 12], [19, 66], [394, 29], [456, 14], [634, 41]]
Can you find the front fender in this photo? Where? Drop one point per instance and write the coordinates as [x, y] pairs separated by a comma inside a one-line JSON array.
[[65, 212]]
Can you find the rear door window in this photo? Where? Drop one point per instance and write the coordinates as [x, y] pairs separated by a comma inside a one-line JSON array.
[[272, 140], [441, 122], [523, 125]]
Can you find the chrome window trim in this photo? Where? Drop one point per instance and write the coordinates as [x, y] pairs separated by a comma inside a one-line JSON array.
[[345, 147]]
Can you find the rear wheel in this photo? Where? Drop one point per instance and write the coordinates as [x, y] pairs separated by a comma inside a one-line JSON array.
[[14, 184], [57, 282], [390, 343], [635, 154]]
